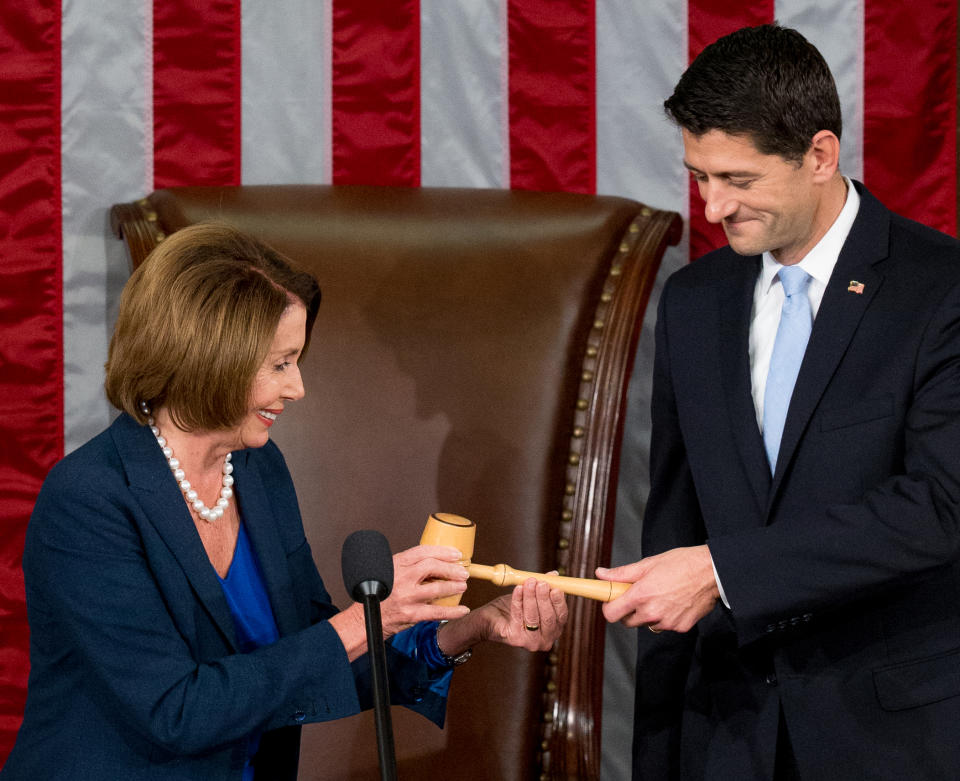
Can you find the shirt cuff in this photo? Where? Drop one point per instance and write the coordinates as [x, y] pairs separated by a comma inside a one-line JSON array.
[[716, 577]]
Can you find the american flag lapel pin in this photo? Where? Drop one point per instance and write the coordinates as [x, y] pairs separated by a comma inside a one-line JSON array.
[[855, 287]]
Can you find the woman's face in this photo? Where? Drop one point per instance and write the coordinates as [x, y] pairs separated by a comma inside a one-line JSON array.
[[278, 380]]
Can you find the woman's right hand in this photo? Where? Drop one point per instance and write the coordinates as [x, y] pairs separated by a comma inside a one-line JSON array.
[[420, 575]]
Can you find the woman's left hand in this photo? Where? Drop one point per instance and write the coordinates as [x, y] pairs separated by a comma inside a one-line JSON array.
[[532, 617]]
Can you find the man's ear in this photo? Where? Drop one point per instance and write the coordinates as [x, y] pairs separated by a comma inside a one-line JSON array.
[[824, 154]]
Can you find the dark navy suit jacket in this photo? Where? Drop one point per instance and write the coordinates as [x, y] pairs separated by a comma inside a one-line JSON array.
[[842, 568], [134, 669]]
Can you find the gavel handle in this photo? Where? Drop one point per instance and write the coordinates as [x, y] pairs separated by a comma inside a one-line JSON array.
[[504, 575]]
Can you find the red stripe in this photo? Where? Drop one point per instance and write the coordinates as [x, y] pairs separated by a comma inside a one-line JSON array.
[[707, 21], [31, 321], [910, 125], [196, 92], [376, 92], [552, 94]]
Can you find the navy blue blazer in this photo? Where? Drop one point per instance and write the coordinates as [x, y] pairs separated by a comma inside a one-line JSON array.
[[842, 568], [134, 669]]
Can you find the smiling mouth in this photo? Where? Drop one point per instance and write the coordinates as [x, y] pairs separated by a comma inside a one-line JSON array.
[[271, 416], [735, 225]]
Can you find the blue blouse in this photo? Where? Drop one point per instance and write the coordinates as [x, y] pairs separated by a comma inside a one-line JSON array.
[[247, 598], [255, 626], [253, 619]]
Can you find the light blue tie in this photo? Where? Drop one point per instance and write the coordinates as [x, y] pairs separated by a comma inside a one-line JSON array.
[[796, 320]]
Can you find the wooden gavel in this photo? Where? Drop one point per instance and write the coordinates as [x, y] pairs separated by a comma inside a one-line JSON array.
[[505, 575], [459, 532]]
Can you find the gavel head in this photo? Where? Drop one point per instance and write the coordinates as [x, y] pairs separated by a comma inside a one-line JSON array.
[[457, 532]]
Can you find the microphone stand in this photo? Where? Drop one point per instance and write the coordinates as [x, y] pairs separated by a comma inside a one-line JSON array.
[[370, 592]]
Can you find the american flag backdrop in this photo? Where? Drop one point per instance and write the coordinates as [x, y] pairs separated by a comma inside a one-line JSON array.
[[103, 101]]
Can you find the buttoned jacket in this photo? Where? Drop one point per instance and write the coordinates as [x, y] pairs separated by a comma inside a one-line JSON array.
[[135, 673], [841, 568]]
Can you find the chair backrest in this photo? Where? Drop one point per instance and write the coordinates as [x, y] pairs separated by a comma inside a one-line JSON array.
[[471, 356]]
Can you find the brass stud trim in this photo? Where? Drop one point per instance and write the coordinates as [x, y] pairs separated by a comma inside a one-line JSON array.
[[589, 368]]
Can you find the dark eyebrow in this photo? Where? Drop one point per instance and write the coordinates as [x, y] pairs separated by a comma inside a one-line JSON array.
[[723, 174]]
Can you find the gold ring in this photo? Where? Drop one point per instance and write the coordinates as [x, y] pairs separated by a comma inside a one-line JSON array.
[[532, 628], [655, 631]]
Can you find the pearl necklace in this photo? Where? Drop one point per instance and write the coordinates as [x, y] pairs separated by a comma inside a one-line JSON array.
[[211, 515]]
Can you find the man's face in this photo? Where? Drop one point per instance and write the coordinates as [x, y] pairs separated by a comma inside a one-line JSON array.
[[762, 201]]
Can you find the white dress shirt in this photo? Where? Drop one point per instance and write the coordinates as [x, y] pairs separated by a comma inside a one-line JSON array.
[[768, 294], [768, 301]]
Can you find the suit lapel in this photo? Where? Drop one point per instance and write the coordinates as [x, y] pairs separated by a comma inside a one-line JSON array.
[[735, 306], [837, 319], [161, 500], [262, 526]]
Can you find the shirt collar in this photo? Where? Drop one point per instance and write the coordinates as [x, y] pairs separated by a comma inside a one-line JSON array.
[[820, 260]]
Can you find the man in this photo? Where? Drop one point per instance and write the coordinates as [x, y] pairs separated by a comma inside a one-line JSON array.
[[799, 598]]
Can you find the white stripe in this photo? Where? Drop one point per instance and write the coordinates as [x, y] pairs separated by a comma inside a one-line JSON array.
[[326, 100], [103, 162], [147, 11], [462, 96], [835, 27], [505, 91], [286, 92], [640, 57]]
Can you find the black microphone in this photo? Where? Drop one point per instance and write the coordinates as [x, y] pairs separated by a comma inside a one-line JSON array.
[[367, 565], [368, 576]]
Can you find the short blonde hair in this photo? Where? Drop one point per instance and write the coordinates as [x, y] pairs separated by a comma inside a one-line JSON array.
[[195, 323]]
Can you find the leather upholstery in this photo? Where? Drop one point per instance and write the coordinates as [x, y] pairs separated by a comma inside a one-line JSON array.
[[470, 356]]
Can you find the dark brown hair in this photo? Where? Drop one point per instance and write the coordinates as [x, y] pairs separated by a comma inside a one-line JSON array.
[[195, 323], [767, 83]]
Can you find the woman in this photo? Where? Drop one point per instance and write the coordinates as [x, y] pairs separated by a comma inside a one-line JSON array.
[[179, 627]]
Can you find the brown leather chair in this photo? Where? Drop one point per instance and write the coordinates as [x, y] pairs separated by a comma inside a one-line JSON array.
[[471, 356]]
